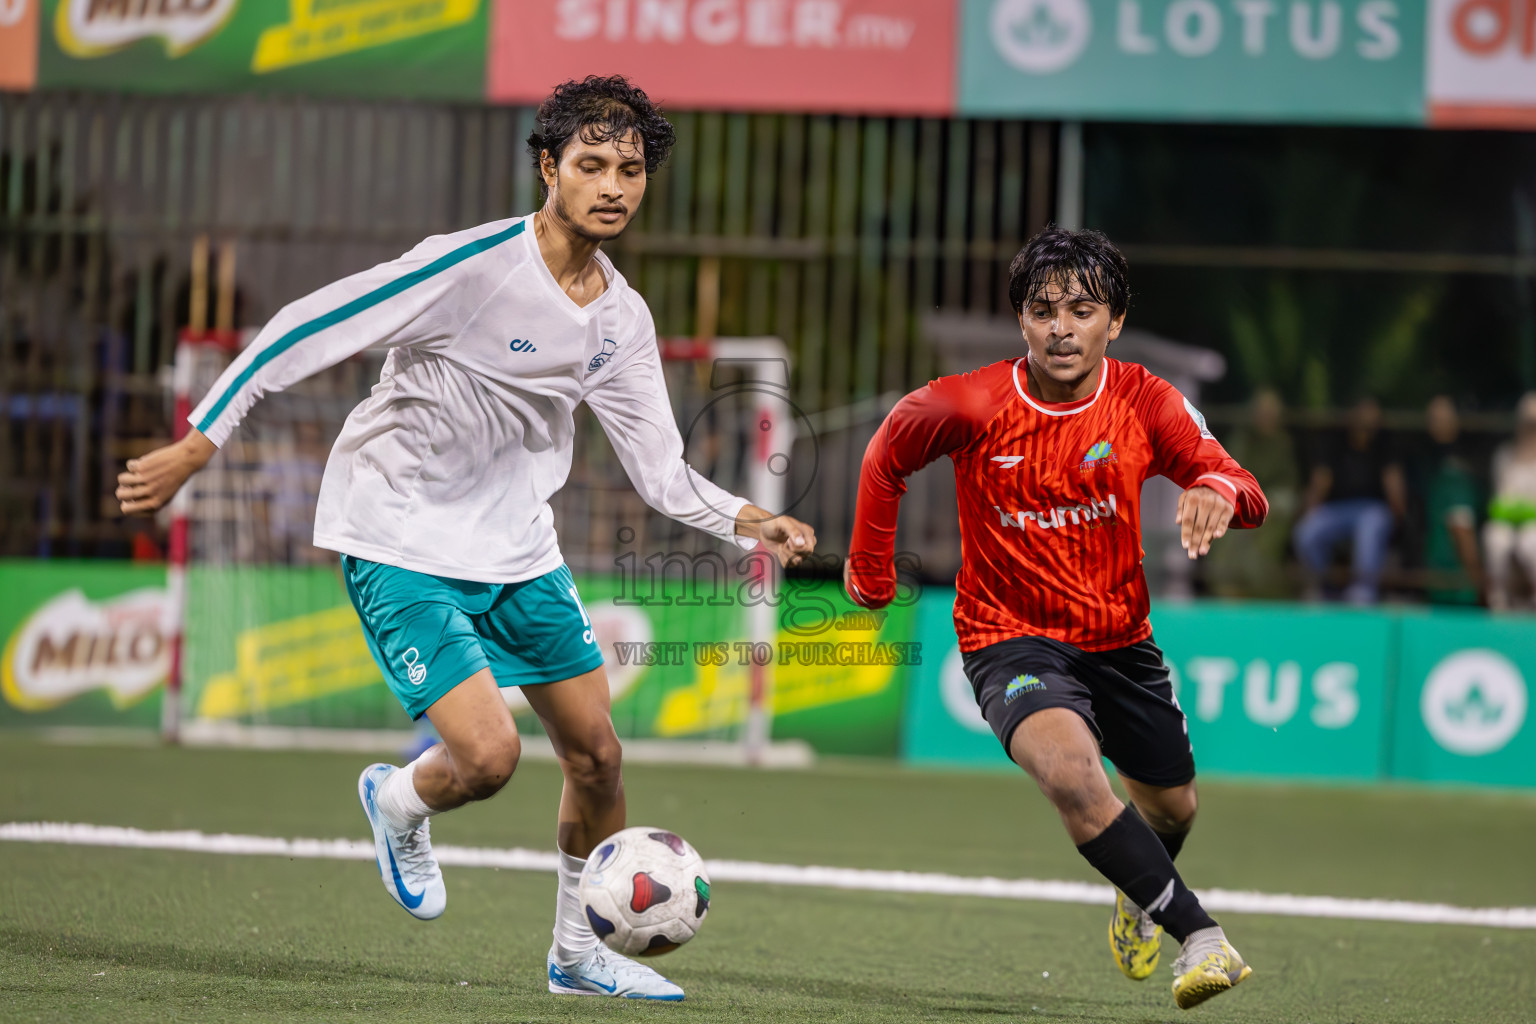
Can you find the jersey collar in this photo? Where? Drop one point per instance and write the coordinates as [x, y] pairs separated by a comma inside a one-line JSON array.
[[1058, 408], [564, 301]]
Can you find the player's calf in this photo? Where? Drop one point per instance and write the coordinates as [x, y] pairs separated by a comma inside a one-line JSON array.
[[480, 772], [594, 768]]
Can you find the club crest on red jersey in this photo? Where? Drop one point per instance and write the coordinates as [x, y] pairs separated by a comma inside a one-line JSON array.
[[1101, 454]]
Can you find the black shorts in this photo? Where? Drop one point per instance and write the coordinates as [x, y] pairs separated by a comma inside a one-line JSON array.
[[1125, 696]]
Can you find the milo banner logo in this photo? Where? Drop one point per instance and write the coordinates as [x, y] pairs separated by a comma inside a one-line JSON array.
[[72, 645], [84, 643], [429, 48], [90, 28]]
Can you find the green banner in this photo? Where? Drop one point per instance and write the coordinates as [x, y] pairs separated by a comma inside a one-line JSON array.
[[1463, 707], [431, 49], [283, 647], [1310, 61], [1268, 690], [1278, 690], [1286, 691], [84, 643]]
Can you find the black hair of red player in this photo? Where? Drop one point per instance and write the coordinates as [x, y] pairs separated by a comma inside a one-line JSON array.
[[1071, 260], [600, 110]]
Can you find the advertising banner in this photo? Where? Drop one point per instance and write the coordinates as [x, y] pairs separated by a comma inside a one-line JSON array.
[[1482, 63], [1463, 709], [18, 43], [85, 644], [1298, 61], [282, 646], [845, 56], [1268, 690], [432, 49]]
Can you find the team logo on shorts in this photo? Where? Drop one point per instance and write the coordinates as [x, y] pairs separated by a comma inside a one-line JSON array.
[[1020, 685], [413, 666], [1101, 454]]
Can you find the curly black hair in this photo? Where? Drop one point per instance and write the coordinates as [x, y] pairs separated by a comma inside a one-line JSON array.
[[600, 110], [1060, 256]]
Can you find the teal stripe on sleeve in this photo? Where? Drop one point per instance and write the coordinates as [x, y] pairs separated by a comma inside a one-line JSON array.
[[358, 305]]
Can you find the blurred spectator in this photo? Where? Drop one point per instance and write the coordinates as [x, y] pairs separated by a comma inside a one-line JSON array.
[[1251, 563], [1449, 491], [1355, 493], [1510, 536]]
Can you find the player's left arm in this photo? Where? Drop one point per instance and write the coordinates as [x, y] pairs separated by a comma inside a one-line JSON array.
[[631, 403], [1218, 493]]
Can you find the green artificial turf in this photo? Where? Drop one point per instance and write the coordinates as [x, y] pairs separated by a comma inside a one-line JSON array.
[[122, 935]]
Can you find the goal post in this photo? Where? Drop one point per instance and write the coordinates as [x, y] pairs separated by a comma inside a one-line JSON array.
[[757, 370]]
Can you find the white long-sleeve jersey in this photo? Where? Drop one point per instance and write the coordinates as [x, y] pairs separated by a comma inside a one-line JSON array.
[[448, 466]]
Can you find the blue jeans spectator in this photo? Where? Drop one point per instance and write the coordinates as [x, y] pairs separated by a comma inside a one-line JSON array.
[[1366, 523]]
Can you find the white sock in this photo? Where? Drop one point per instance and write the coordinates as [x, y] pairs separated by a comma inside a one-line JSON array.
[[574, 937], [398, 800]]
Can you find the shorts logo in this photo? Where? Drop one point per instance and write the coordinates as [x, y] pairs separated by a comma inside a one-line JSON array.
[[413, 666], [1021, 685], [1101, 454]]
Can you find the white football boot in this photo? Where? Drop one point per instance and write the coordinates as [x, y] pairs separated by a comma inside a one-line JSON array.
[[603, 972], [404, 856]]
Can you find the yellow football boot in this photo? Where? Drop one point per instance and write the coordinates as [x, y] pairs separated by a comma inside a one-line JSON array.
[[1207, 967], [1134, 939]]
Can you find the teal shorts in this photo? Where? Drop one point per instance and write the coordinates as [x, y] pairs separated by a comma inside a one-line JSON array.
[[430, 633]]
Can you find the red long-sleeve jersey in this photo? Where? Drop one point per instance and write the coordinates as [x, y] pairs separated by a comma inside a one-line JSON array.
[[1049, 495]]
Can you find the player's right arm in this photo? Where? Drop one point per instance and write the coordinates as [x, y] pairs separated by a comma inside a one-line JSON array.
[[931, 422], [422, 298]]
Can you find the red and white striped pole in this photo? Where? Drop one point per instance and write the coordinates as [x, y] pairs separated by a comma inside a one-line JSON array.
[[183, 378], [768, 488], [176, 561]]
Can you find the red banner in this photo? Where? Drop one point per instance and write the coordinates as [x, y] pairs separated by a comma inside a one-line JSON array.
[[18, 43], [866, 56]]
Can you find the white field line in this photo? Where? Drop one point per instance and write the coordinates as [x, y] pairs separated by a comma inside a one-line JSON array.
[[518, 859]]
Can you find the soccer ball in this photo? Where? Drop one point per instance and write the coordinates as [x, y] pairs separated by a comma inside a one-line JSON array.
[[644, 891]]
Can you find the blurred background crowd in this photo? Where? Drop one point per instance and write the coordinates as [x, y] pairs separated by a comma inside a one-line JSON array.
[[1362, 513]]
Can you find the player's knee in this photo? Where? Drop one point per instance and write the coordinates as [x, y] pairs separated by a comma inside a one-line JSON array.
[[1175, 811], [483, 771], [595, 765], [1073, 793]]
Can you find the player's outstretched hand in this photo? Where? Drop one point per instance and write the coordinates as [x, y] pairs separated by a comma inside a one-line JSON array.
[[788, 538], [1202, 517], [151, 481]]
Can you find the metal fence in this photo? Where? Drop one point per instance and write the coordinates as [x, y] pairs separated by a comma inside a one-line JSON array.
[[837, 234]]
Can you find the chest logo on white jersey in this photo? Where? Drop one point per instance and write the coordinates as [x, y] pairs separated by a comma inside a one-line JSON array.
[[522, 345], [602, 357], [1008, 461]]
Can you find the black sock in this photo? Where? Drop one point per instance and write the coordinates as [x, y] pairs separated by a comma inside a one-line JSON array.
[[1130, 855], [1173, 842]]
